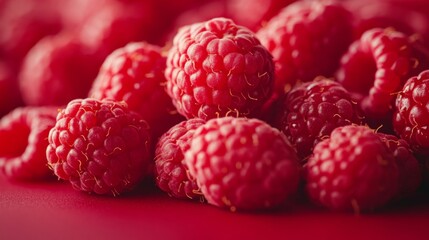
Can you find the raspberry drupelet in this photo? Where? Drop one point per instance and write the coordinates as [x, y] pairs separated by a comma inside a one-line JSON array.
[[218, 68], [99, 146]]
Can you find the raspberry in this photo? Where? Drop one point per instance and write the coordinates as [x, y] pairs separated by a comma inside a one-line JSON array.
[[22, 24], [115, 24], [252, 14], [23, 137], [56, 70], [171, 171], [99, 146], [135, 74], [410, 16], [307, 39], [410, 176], [411, 114], [375, 67], [242, 164], [310, 112], [352, 170], [217, 68]]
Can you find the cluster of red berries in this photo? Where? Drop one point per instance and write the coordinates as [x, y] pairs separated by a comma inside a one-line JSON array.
[[241, 112]]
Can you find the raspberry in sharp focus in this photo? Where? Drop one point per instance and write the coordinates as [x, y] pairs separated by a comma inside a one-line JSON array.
[[410, 175], [217, 68], [411, 113], [309, 113], [352, 170], [135, 74], [306, 39], [375, 67], [242, 164], [99, 146], [23, 138], [56, 70], [170, 168]]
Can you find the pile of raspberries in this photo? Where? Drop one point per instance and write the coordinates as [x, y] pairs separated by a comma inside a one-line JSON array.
[[239, 104]]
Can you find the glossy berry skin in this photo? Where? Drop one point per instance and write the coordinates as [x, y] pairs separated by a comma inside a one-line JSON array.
[[135, 74], [411, 116], [99, 146], [307, 40], [170, 169], [375, 67], [352, 170], [242, 164], [309, 113], [217, 68], [23, 136]]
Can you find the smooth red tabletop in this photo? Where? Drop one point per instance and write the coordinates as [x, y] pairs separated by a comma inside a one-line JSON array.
[[53, 210]]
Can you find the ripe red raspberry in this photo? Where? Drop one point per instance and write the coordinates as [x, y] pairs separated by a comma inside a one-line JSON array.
[[242, 163], [22, 24], [23, 137], [410, 175], [217, 68], [135, 74], [117, 23], [307, 39], [253, 14], [309, 113], [407, 16], [56, 70], [375, 67], [411, 114], [352, 170], [99, 146], [170, 169]]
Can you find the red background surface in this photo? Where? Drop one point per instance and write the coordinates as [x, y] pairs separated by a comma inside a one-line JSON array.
[[53, 210]]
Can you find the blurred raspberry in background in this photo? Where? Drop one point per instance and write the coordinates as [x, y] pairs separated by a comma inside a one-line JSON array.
[[101, 26], [407, 16]]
